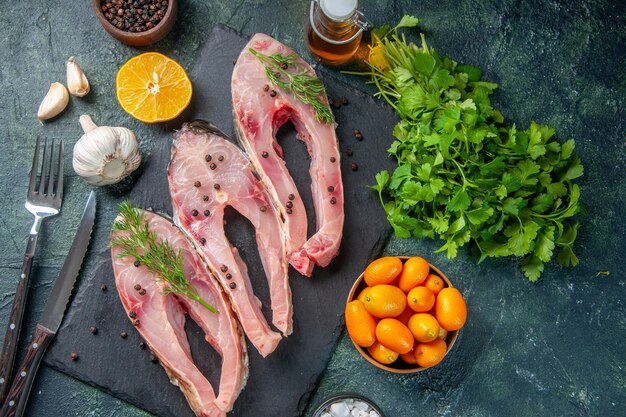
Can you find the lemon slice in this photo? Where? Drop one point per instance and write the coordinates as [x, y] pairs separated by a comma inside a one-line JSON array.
[[153, 88]]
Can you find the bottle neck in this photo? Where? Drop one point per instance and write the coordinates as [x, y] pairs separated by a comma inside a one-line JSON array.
[[334, 31]]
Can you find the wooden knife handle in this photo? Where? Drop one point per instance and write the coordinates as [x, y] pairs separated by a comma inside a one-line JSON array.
[[15, 403], [12, 335]]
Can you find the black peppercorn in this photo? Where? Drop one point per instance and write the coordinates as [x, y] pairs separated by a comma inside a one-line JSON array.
[[349, 152], [142, 345], [232, 285], [153, 359], [123, 334], [291, 197], [220, 158], [331, 188], [289, 204], [197, 184], [229, 276], [74, 356], [93, 330], [136, 263], [357, 134], [207, 157], [333, 159], [333, 200], [264, 154], [142, 292], [205, 198], [224, 268], [354, 166], [137, 287], [132, 314], [136, 322], [194, 212], [266, 87], [104, 287], [213, 166], [202, 241], [273, 93], [263, 208], [216, 186], [289, 211]]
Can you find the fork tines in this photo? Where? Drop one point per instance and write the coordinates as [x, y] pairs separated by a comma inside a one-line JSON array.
[[47, 186]]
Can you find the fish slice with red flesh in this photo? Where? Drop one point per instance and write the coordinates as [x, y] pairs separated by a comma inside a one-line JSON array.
[[160, 319], [258, 114], [206, 174]]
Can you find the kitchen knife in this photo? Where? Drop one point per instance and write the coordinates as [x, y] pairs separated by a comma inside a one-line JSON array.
[[52, 315]]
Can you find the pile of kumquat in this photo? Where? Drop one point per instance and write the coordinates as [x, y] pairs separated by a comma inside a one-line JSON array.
[[405, 312]]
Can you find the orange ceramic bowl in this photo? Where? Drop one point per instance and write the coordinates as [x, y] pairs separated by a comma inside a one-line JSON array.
[[144, 38], [399, 366]]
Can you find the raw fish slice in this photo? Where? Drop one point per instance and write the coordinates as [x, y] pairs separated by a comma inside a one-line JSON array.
[[206, 174], [257, 117], [161, 322]]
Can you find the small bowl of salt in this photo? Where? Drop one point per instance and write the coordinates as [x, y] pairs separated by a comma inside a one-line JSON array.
[[348, 404]]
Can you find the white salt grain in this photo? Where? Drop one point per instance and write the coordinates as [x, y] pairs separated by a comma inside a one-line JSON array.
[[360, 405], [340, 410]]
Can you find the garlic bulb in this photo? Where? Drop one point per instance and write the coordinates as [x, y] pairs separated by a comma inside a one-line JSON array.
[[105, 155], [76, 80], [54, 102]]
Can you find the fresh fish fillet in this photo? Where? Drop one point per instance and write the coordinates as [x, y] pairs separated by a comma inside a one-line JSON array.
[[160, 319], [206, 174], [257, 117]]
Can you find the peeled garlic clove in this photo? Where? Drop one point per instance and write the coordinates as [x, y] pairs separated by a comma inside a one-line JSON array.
[[54, 102], [105, 155], [76, 80]]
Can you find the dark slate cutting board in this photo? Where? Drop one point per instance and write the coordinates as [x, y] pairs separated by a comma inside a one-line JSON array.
[[279, 385]]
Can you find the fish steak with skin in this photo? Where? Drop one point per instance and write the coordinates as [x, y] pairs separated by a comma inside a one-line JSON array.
[[206, 174], [258, 113], [160, 319]]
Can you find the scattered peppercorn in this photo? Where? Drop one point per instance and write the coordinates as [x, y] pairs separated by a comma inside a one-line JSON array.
[[142, 345], [264, 154], [232, 285], [104, 287], [137, 287], [194, 212], [197, 184], [289, 211], [136, 322], [333, 159], [224, 268], [349, 152], [354, 166], [123, 334], [74, 356], [263, 208], [132, 314], [333, 200], [216, 186], [207, 213], [229, 276], [284, 65], [357, 134], [273, 93], [220, 158], [212, 166], [153, 359], [93, 330], [142, 292], [266, 87], [289, 204], [205, 197], [134, 15], [136, 263], [207, 157], [291, 197], [202, 241], [331, 188]]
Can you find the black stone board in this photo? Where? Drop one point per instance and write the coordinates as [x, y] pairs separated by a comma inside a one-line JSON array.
[[279, 385]]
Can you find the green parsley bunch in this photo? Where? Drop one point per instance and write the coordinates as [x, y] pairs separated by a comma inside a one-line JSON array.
[[464, 175]]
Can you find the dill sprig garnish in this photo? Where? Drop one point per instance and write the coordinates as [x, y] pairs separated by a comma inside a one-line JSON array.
[[304, 84], [158, 256]]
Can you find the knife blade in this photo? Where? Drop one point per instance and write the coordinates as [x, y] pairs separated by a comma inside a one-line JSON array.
[[52, 315]]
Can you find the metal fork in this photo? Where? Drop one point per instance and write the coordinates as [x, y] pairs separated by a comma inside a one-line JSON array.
[[42, 201]]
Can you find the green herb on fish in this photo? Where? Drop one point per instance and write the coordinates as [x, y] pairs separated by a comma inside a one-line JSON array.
[[462, 173], [157, 256], [304, 84]]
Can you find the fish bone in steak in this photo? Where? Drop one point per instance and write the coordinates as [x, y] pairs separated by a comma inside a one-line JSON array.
[[258, 114], [206, 174], [160, 319]]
